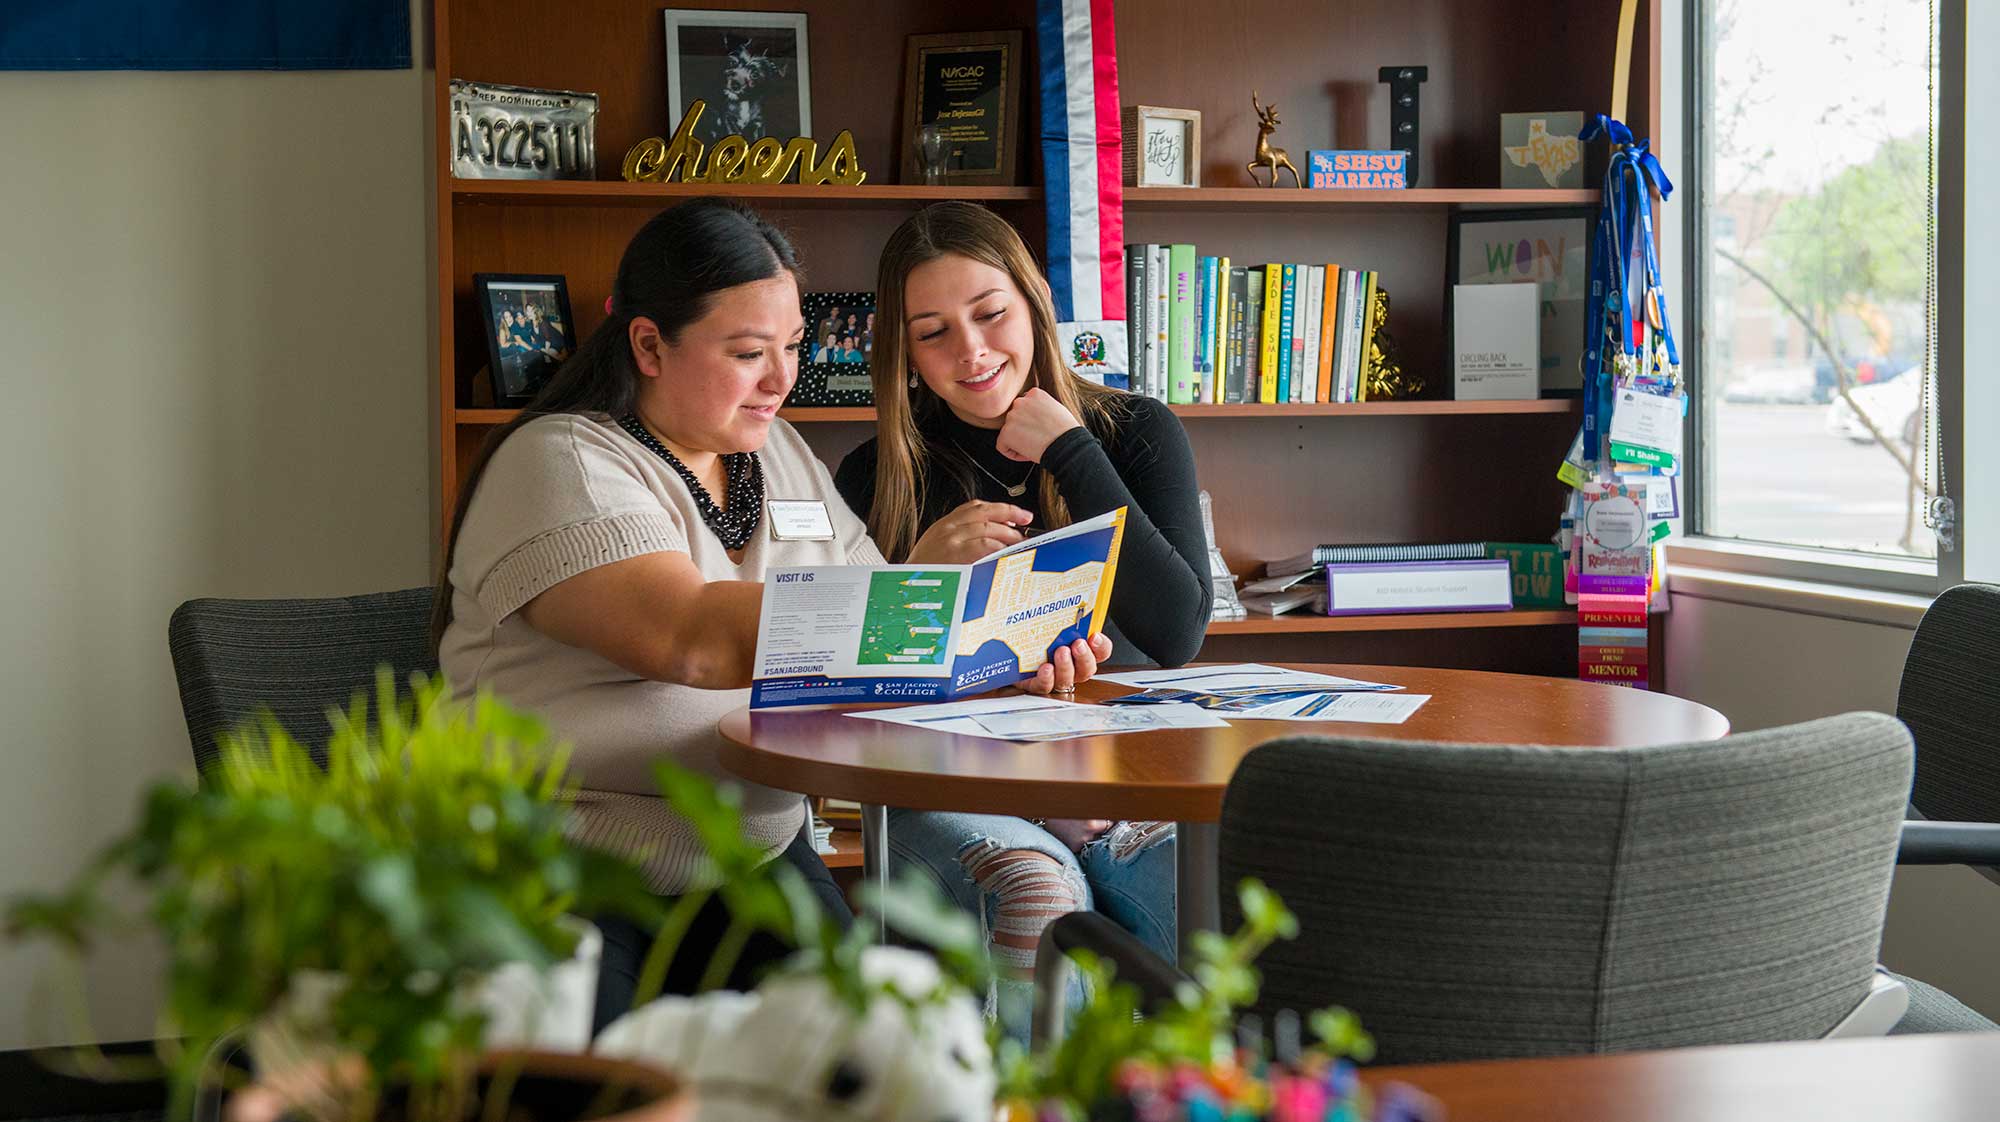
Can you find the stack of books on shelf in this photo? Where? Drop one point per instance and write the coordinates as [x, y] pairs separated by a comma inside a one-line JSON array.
[[1424, 577], [1206, 329]]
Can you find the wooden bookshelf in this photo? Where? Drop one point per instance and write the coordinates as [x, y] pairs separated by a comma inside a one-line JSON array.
[[846, 850], [496, 192], [1282, 477], [1305, 624], [1305, 201], [1561, 407], [654, 196]]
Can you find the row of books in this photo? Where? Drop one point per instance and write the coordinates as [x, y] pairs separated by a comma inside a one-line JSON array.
[[1204, 329]]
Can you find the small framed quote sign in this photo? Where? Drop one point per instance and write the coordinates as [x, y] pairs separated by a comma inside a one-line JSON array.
[[1162, 146], [962, 108]]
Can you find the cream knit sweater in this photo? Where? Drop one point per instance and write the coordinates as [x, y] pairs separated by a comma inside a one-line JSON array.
[[565, 494]]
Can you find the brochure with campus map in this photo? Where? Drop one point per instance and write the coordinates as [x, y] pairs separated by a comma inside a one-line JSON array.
[[932, 632]]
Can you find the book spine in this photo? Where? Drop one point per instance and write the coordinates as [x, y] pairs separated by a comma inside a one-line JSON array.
[[1367, 335], [1361, 384], [1348, 388], [1219, 350], [1202, 295], [1239, 295], [1329, 335], [1377, 588], [1430, 551], [1135, 315], [1253, 334], [1364, 283], [1315, 341], [1303, 360], [1157, 380], [1181, 327], [1267, 348], [1288, 313], [1211, 304], [1303, 279]]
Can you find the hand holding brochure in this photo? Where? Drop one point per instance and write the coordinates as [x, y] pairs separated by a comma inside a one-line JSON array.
[[932, 632]]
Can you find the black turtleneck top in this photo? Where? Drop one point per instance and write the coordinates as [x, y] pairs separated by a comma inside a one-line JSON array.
[[1161, 601]]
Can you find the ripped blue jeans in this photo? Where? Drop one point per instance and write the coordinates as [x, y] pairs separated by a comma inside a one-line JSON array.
[[1127, 874]]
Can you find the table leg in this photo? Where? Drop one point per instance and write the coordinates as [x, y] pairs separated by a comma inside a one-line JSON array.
[[875, 855], [1197, 902]]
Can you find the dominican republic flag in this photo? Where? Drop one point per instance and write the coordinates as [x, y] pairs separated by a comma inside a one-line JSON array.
[[1081, 166]]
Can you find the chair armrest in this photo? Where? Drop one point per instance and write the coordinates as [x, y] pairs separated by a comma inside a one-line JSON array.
[[1949, 843], [1154, 978]]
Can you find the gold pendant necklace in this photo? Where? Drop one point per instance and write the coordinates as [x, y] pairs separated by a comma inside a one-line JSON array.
[[1014, 490]]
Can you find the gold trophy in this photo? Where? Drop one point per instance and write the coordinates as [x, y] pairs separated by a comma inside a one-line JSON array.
[[1387, 380]]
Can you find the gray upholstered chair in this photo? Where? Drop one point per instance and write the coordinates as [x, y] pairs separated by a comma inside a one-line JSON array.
[[1950, 699], [1471, 902], [295, 658]]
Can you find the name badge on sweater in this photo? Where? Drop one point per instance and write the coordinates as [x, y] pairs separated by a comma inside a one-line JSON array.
[[799, 520]]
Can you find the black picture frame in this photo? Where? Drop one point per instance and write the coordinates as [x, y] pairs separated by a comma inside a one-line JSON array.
[[519, 370], [1572, 225], [973, 79], [752, 69], [844, 378]]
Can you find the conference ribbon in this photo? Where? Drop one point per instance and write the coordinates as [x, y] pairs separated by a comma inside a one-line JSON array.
[[1081, 168]]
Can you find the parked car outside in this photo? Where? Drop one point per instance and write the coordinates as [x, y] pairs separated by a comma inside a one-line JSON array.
[[1891, 404], [1782, 385]]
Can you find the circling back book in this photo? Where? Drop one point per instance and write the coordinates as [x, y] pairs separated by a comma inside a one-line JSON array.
[[856, 633]]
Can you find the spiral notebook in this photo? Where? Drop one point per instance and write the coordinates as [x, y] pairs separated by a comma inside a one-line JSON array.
[[1348, 554]]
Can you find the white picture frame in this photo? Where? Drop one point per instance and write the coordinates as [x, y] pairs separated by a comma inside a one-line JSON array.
[[771, 92]]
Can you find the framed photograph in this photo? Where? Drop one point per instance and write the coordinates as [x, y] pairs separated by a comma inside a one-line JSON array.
[[529, 331], [1549, 248], [1162, 146], [840, 337], [962, 108], [750, 67]]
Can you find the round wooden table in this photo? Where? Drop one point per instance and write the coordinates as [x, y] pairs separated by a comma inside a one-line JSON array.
[[1177, 774]]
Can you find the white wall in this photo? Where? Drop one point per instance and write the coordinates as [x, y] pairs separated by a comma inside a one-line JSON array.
[[1762, 667], [214, 371]]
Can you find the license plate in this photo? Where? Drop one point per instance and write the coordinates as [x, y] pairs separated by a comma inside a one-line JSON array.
[[512, 132]]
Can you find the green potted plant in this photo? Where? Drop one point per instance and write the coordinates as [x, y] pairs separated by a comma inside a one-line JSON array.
[[378, 929]]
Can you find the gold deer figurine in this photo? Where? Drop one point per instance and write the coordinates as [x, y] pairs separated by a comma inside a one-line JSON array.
[[1267, 156]]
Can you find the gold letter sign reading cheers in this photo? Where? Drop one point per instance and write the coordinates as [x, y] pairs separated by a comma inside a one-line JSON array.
[[736, 160]]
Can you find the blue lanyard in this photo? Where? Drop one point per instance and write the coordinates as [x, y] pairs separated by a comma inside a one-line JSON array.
[[1656, 294], [1621, 293]]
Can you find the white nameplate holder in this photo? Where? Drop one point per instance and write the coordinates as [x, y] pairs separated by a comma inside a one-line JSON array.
[[799, 520]]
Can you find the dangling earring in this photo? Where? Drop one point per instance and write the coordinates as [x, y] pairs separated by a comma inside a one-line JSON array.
[[913, 379]]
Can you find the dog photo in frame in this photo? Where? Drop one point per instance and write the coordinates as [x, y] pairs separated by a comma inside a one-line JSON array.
[[752, 68]]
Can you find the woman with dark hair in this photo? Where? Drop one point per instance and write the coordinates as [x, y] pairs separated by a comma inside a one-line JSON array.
[[608, 551], [983, 434]]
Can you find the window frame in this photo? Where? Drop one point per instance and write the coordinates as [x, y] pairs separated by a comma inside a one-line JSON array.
[[1779, 561]]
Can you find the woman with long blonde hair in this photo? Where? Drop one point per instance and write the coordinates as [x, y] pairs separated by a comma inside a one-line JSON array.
[[984, 435]]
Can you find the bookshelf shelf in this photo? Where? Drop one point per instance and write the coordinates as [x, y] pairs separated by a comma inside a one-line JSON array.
[[1432, 621], [618, 193], [865, 413], [1305, 200], [846, 850]]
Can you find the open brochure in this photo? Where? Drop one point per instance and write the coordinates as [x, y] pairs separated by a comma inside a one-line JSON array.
[[932, 632]]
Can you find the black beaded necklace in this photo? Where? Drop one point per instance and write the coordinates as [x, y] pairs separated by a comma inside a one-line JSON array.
[[745, 473]]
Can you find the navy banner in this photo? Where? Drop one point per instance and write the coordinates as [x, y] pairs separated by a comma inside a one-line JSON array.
[[205, 35]]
